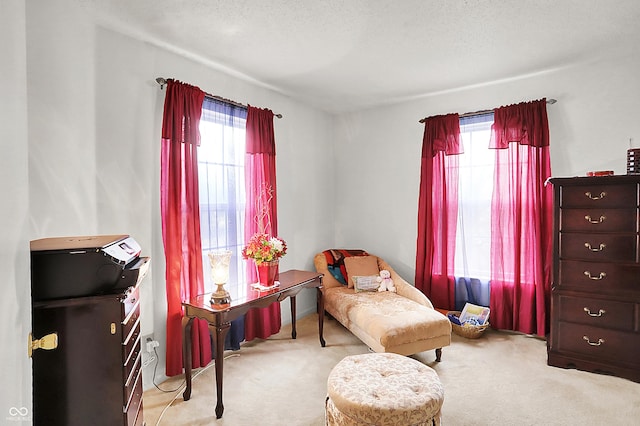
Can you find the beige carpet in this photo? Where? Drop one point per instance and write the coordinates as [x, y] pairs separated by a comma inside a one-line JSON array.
[[498, 379]]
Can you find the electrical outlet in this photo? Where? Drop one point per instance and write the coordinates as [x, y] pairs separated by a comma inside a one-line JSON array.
[[145, 338], [148, 359], [151, 344]]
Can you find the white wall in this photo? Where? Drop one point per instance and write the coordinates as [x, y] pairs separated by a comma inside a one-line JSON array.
[[15, 394], [95, 115], [378, 150]]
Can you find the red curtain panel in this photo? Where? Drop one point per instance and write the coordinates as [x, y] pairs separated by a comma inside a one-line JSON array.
[[261, 214], [438, 210], [181, 220], [521, 228]]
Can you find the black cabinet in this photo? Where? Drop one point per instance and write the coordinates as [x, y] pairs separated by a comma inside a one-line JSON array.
[[94, 375]]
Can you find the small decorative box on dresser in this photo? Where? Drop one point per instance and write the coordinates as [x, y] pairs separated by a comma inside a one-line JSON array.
[[595, 296]]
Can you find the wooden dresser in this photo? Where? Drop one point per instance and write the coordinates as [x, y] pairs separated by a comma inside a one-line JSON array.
[[94, 375], [595, 297]]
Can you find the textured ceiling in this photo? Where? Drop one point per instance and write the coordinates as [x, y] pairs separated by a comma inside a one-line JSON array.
[[353, 54]]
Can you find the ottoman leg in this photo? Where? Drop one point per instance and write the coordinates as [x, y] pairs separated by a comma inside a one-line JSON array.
[[438, 354], [333, 416]]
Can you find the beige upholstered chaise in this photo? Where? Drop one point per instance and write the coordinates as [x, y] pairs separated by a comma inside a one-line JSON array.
[[404, 322]]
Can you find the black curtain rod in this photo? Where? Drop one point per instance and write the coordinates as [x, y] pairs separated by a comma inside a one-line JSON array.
[[484, 111], [163, 81]]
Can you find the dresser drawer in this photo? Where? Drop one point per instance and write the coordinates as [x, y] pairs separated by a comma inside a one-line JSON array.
[[598, 277], [598, 247], [599, 196], [133, 410], [132, 379], [601, 313], [131, 358], [131, 320], [598, 220], [131, 342], [131, 301], [599, 343]]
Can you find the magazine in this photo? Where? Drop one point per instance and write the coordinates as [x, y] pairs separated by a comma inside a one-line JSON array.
[[474, 314]]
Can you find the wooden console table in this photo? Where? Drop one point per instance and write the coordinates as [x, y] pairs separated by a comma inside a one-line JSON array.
[[219, 319]]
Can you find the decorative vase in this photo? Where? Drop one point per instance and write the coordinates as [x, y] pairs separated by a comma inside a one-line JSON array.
[[267, 272]]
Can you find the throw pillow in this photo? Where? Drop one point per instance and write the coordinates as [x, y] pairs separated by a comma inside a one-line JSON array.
[[361, 266], [368, 283]]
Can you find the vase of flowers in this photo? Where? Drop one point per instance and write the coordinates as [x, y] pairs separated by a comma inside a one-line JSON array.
[[266, 252], [267, 272]]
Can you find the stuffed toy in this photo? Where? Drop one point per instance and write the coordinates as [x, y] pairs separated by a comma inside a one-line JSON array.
[[386, 283]]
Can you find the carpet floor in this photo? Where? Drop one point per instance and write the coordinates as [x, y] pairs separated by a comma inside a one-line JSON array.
[[500, 378]]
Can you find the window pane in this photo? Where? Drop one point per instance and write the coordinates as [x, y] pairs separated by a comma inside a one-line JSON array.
[[221, 181], [476, 165]]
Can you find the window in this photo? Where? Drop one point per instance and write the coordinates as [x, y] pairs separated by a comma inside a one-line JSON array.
[[221, 183], [475, 186]]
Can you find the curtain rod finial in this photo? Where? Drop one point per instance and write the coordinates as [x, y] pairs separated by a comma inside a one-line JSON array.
[[161, 81]]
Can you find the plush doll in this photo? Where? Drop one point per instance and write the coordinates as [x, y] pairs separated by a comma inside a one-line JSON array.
[[386, 283]]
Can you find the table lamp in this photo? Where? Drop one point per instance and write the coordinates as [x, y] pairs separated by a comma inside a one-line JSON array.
[[220, 260]]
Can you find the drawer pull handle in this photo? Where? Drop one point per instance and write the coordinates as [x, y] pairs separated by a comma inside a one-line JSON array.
[[597, 197], [599, 277], [48, 342], [588, 246], [598, 343], [602, 219], [591, 314]]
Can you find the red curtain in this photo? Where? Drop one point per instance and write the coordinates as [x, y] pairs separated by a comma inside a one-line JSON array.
[[521, 245], [261, 208], [180, 211], [438, 209]]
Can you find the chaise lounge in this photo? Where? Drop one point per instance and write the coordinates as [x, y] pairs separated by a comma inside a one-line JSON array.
[[403, 322]]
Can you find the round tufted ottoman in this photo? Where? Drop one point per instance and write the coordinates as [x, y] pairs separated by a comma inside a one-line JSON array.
[[383, 389]]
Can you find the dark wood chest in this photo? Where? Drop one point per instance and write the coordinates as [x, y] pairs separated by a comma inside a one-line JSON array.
[[595, 297], [94, 375]]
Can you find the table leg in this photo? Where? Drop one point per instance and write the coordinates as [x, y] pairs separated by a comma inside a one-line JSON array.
[[218, 343], [321, 316], [186, 357], [293, 317]]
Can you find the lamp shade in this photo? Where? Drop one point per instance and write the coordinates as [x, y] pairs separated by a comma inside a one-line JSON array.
[[220, 260]]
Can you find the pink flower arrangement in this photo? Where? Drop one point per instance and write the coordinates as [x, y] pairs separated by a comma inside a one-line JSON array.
[[263, 248]]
